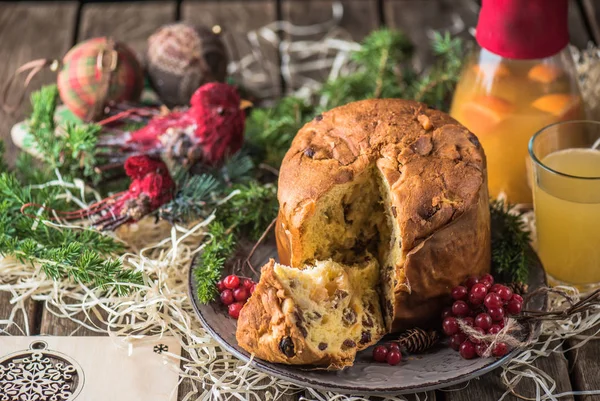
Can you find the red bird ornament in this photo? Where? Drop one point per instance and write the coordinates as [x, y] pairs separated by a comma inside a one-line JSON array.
[[151, 187], [211, 129]]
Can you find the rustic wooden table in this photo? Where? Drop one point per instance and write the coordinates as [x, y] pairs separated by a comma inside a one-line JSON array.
[[31, 30]]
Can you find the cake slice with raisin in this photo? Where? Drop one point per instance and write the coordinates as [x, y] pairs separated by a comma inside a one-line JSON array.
[[321, 315]]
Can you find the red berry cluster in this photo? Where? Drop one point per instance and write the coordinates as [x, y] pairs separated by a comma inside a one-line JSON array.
[[389, 353], [484, 306], [234, 292]]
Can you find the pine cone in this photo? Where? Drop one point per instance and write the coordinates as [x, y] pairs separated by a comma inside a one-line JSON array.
[[417, 340], [518, 287]]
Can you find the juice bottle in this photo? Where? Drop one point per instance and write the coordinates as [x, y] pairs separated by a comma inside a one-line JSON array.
[[521, 79]]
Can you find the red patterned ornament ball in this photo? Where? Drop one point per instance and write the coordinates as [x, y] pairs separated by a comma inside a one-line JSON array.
[[97, 71]]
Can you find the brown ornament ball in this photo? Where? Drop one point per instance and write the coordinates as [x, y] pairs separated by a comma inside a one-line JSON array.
[[181, 58]]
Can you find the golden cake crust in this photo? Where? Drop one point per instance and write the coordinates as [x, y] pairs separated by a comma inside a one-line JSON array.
[[435, 169]]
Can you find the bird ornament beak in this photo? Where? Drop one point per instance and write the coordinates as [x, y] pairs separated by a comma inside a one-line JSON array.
[[244, 104]]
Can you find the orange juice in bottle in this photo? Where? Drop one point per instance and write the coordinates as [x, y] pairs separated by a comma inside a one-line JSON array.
[[521, 79]]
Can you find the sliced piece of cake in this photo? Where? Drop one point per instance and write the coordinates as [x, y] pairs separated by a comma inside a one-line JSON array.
[[320, 315]]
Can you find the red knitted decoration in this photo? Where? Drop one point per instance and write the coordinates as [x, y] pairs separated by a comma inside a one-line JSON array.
[[151, 187], [209, 131]]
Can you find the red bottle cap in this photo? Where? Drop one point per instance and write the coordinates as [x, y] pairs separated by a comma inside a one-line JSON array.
[[523, 29]]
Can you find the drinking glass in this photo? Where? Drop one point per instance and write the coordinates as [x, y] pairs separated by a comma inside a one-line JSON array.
[[566, 194]]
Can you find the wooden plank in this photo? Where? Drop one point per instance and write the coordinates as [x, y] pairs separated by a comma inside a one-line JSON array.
[[31, 31], [358, 19], [418, 19], [490, 387], [236, 18], [578, 33], [23, 319], [592, 11], [584, 366], [131, 23]]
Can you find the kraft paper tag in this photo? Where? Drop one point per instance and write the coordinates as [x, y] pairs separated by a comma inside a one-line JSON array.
[[88, 369]]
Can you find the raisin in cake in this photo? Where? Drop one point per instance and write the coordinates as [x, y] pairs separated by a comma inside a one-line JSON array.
[[396, 178], [320, 315]]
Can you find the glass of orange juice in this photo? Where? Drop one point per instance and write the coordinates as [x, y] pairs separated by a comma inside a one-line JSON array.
[[565, 161]]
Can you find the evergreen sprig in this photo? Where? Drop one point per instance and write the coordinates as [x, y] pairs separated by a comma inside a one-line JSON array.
[[247, 213], [511, 255], [382, 71], [209, 265], [71, 148], [191, 199], [3, 166], [82, 255], [379, 74], [436, 86]]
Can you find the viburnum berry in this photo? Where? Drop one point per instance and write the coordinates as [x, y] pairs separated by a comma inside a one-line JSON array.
[[252, 288], [505, 293], [477, 294], [493, 300], [450, 326], [488, 278], [459, 293], [393, 347], [226, 297], [496, 287], [469, 321], [467, 350], [380, 353], [513, 307], [232, 282], [393, 357], [496, 313], [475, 340], [241, 294], [500, 349], [234, 309], [456, 340], [460, 308], [446, 312], [471, 281], [481, 348], [517, 297], [495, 329], [220, 286], [247, 283], [483, 321]]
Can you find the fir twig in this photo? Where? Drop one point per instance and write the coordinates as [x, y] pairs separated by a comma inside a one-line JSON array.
[[70, 149], [84, 256], [3, 166], [190, 201], [249, 211], [510, 244]]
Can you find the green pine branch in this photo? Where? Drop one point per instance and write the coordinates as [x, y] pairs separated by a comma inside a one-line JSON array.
[[511, 255], [81, 255], [247, 213], [3, 166], [69, 149], [436, 86]]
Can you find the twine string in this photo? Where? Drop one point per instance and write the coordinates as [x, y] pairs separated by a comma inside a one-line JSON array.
[[33, 67]]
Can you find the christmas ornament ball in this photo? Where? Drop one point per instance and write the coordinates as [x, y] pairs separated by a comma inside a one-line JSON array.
[[181, 58], [97, 71]]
